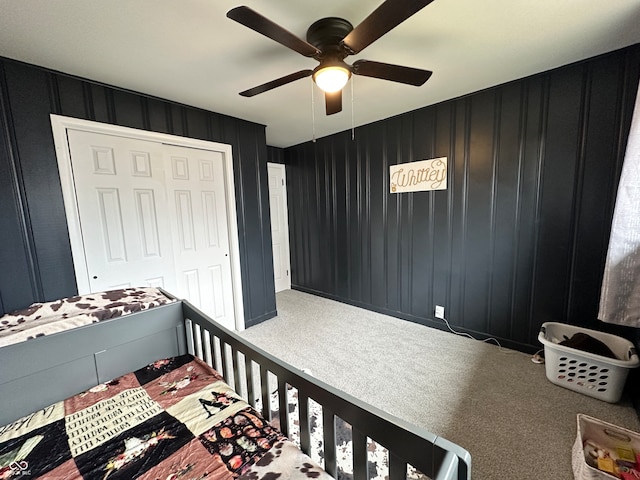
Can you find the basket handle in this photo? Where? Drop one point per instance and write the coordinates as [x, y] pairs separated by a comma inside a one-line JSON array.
[[623, 437], [543, 330], [632, 351]]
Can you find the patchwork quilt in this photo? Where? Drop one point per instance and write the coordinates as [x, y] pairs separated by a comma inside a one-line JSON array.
[[50, 317], [174, 419]]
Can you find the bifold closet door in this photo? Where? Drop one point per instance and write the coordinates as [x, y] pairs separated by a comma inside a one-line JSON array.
[[153, 215], [198, 215], [121, 198]]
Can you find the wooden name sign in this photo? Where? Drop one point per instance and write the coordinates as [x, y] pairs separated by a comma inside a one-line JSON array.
[[419, 176]]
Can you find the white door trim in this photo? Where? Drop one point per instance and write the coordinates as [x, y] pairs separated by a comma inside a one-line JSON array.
[[61, 124]]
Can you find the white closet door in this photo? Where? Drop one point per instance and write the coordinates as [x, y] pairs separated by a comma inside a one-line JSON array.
[[154, 214], [120, 191], [198, 215]]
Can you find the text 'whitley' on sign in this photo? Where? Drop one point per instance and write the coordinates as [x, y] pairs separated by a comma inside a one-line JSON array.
[[419, 176]]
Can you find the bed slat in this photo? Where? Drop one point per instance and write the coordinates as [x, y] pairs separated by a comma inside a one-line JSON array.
[[397, 468], [197, 339], [225, 361], [266, 398], [251, 393], [283, 407], [329, 434], [237, 381], [188, 326], [217, 356], [305, 433], [212, 349], [206, 347], [360, 461]]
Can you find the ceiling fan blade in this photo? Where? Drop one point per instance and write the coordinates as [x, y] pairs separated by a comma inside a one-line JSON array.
[[394, 73], [383, 19], [265, 87], [253, 20], [333, 102]]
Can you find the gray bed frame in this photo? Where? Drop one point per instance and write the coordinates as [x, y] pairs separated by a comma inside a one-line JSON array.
[[44, 370]]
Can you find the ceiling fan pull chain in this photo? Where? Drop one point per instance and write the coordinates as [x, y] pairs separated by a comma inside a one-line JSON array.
[[353, 103], [313, 115]]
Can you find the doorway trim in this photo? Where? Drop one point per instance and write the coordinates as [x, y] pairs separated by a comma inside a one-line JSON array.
[[60, 124]]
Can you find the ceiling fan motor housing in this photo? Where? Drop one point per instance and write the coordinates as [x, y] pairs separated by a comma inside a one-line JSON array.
[[327, 33]]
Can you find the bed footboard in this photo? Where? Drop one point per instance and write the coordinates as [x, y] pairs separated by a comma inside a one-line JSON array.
[[256, 374], [41, 371]]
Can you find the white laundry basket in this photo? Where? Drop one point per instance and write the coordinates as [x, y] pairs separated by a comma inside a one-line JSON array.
[[585, 372]]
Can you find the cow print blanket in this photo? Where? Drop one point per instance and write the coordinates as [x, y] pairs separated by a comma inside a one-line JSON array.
[[51, 317], [174, 419]]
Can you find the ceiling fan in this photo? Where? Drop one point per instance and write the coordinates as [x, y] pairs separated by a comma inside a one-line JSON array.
[[330, 41]]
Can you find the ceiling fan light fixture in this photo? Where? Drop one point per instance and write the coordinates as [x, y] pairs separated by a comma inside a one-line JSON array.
[[331, 78]]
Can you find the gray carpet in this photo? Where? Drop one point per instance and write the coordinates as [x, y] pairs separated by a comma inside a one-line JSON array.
[[494, 402]]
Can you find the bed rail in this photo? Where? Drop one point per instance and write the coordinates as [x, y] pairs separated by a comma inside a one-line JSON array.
[[255, 374]]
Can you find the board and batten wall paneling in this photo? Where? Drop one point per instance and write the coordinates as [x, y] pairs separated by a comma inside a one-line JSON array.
[[517, 239], [36, 256], [16, 251], [275, 155]]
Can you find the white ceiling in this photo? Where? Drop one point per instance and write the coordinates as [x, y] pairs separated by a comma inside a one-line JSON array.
[[189, 52]]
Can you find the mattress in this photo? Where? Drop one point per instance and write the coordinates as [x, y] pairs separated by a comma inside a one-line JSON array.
[[175, 418], [52, 317]]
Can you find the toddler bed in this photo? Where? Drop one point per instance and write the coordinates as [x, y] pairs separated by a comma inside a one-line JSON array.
[[146, 383]]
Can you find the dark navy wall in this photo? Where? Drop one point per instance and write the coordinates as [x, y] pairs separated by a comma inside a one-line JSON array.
[[275, 155], [517, 239], [35, 255]]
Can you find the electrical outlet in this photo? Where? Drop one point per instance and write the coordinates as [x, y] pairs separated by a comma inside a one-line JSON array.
[[439, 311]]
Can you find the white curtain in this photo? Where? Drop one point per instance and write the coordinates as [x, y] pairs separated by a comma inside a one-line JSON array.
[[620, 295]]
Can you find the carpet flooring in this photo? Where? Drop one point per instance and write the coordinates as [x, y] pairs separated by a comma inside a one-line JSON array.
[[492, 401]]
